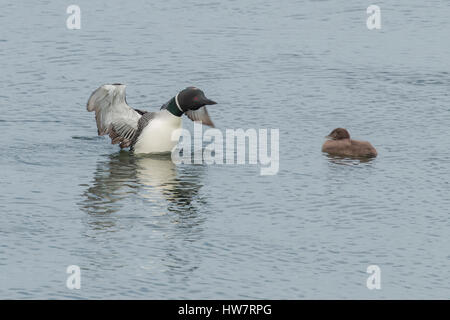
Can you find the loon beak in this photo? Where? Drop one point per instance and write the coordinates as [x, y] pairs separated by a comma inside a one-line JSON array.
[[206, 101]]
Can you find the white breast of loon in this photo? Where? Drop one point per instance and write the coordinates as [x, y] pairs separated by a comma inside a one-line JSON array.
[[159, 135]]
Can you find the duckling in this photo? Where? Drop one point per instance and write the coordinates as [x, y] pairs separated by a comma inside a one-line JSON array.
[[340, 144]]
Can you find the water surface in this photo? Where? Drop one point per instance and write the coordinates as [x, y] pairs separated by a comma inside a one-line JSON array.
[[142, 227]]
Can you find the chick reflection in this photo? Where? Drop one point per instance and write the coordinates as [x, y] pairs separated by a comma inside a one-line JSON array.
[[347, 161], [118, 181]]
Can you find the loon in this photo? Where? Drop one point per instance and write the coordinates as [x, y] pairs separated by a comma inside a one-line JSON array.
[[340, 144], [142, 131]]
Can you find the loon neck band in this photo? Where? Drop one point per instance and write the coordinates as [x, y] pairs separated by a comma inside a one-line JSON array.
[[177, 103], [174, 107]]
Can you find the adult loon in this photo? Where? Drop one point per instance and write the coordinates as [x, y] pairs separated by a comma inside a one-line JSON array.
[[145, 132]]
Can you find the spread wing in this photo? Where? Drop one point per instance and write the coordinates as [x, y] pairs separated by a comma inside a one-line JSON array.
[[113, 115], [200, 115]]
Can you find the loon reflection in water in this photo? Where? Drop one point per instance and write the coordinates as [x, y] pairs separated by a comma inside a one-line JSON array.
[[155, 179]]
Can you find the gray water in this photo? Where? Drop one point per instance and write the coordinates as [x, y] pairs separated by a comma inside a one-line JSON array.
[[148, 229]]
